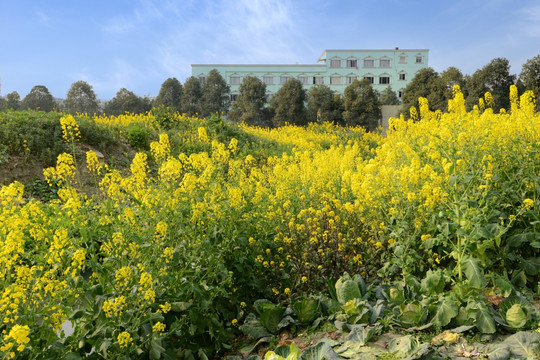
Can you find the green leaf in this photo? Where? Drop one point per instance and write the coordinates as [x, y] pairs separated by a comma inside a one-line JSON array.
[[262, 304], [461, 329], [361, 333], [180, 306], [332, 288], [473, 273], [412, 314], [530, 265], [447, 310], [104, 347], [433, 283], [156, 349], [253, 327], [504, 285], [524, 344], [248, 349], [320, 351], [294, 352], [402, 345], [484, 320], [347, 289], [498, 352], [77, 314], [271, 317], [519, 279], [517, 240], [306, 310]]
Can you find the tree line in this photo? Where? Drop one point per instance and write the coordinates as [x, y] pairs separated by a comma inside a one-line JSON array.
[[360, 105]]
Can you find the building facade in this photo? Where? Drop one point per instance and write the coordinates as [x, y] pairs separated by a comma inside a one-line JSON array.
[[335, 68]]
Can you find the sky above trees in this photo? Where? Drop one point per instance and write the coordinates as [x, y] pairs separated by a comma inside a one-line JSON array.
[[138, 44]]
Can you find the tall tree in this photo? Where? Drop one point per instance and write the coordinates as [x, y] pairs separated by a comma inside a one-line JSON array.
[[530, 76], [191, 96], [450, 77], [250, 105], [215, 95], [362, 107], [288, 104], [81, 98], [170, 95], [495, 77], [324, 105], [389, 97], [428, 84], [39, 98], [3, 104], [13, 100], [127, 101]]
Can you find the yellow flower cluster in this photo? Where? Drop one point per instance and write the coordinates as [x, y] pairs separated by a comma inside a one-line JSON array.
[[70, 129], [124, 339], [63, 172], [161, 149]]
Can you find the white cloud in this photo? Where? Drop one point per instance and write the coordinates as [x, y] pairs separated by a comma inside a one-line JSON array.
[[531, 24], [245, 31]]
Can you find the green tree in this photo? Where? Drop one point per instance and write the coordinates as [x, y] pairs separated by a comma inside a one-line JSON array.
[[450, 77], [81, 98], [3, 104], [191, 96], [170, 95], [251, 102], [389, 97], [495, 77], [428, 84], [324, 105], [362, 106], [530, 76], [127, 101], [39, 98], [13, 100], [288, 104], [215, 95]]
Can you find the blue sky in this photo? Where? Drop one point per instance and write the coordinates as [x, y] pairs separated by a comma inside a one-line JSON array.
[[138, 44]]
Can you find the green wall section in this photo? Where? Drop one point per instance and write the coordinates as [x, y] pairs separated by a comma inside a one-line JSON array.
[[335, 68]]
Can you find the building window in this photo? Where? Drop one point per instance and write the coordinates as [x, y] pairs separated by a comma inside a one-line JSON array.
[[400, 93], [419, 59], [268, 80], [403, 59], [352, 64], [234, 97], [370, 79], [335, 63], [383, 80], [202, 79], [335, 80], [318, 80], [235, 80], [351, 79], [284, 79], [384, 63], [402, 76], [369, 63], [304, 80]]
